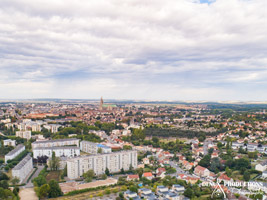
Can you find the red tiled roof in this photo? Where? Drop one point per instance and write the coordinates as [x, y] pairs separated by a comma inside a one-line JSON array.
[[147, 174], [133, 176]]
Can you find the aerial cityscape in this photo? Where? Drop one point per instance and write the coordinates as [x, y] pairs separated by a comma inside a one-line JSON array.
[[133, 100]]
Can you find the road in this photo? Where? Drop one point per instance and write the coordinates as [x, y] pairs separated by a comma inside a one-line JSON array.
[[179, 170], [30, 184]]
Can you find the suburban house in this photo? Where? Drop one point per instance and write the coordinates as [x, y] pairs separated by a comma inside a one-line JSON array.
[[224, 178], [178, 188], [148, 175], [261, 166], [201, 171], [146, 161], [160, 172], [132, 177]]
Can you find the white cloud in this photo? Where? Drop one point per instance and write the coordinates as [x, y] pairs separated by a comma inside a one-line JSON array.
[[132, 49]]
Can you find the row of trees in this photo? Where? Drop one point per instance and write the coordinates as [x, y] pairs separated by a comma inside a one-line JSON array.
[[171, 132], [5, 192]]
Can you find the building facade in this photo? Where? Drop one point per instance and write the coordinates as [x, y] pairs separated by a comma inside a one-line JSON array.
[[62, 151], [24, 134], [114, 162], [56, 143], [93, 148], [53, 128], [23, 168], [9, 142], [15, 152]]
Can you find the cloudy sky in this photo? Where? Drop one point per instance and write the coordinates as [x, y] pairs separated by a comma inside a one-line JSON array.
[[134, 49]]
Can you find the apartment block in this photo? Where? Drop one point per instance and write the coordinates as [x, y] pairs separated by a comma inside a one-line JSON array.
[[9, 142], [15, 152], [23, 168], [61, 151], [114, 161], [24, 134], [53, 128], [56, 143], [91, 147]]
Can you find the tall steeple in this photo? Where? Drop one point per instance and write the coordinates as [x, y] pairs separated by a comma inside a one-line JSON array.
[[101, 104]]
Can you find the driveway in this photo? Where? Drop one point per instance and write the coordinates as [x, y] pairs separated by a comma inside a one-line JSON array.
[[27, 194], [30, 184]]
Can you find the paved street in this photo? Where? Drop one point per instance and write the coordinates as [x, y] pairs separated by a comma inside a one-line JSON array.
[[179, 170], [30, 184]]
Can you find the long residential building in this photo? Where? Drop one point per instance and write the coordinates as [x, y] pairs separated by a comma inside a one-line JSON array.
[[56, 143], [23, 168], [61, 151], [114, 162], [24, 134], [93, 148], [14, 153]]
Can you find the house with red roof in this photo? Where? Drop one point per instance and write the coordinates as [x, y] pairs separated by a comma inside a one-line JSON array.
[[133, 177], [148, 175], [223, 177], [201, 171], [181, 176], [160, 170]]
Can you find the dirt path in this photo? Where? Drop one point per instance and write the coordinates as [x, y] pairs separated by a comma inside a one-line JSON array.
[[27, 194]]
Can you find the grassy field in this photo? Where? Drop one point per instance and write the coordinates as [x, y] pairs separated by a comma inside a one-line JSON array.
[[53, 175], [86, 195]]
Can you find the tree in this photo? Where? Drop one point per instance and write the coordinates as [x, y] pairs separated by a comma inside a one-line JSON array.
[[89, 175], [155, 139], [133, 188], [127, 147], [210, 151], [54, 162], [189, 193], [44, 191], [16, 191], [215, 165], [107, 191], [122, 171], [39, 181], [205, 161], [4, 184], [99, 150], [3, 176], [55, 190], [107, 172], [15, 180], [6, 194], [228, 171], [246, 175], [219, 145], [104, 176]]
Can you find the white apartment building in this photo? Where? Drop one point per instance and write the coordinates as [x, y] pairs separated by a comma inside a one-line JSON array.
[[113, 161], [9, 142], [23, 168], [30, 125], [15, 152], [62, 151], [56, 143], [91, 147], [24, 134], [5, 121], [53, 128]]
